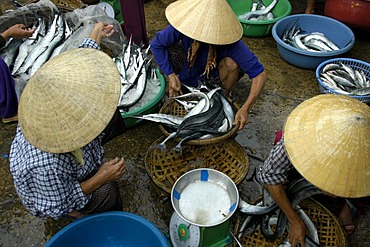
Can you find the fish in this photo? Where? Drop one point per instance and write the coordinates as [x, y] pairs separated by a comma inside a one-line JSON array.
[[134, 94], [211, 116], [131, 82], [10, 51], [26, 46], [250, 209], [323, 38], [160, 118], [202, 105], [188, 105], [309, 41], [259, 12], [59, 36], [40, 47], [344, 79]]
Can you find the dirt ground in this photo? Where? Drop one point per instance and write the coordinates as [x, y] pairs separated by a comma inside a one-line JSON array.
[[287, 86]]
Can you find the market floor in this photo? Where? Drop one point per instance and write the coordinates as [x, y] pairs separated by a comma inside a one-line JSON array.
[[287, 86]]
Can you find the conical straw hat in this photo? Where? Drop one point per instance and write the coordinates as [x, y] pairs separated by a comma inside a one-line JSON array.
[[208, 21], [70, 100], [327, 139]]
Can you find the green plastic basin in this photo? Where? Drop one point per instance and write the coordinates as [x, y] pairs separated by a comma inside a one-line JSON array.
[[151, 107], [261, 28]]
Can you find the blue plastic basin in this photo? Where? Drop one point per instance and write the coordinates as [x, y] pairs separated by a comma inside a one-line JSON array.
[[334, 30], [109, 229]]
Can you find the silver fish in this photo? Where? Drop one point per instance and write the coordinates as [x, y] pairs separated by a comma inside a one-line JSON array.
[[59, 36], [132, 96], [259, 12], [41, 46]]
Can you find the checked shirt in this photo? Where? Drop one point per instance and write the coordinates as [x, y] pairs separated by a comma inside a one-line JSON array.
[[275, 168], [49, 184]]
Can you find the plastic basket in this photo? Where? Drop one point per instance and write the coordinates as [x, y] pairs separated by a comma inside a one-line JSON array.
[[354, 64], [165, 168], [176, 109], [327, 224], [312, 23]]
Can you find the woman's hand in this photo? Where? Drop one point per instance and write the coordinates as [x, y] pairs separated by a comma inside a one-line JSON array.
[[297, 233], [174, 85], [109, 171], [18, 31], [112, 170], [100, 31], [241, 117]]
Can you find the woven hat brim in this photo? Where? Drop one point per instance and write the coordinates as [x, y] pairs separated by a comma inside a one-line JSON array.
[[70, 100], [327, 139], [208, 21]]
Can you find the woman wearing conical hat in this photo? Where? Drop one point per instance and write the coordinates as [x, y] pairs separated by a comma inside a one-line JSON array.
[[327, 141], [211, 34], [56, 157]]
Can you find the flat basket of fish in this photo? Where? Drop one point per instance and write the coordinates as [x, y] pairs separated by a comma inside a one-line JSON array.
[[305, 41], [165, 168], [323, 228], [196, 118], [257, 17], [345, 76]]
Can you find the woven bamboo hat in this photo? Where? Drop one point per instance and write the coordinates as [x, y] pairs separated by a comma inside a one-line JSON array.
[[70, 100], [208, 21], [327, 139]]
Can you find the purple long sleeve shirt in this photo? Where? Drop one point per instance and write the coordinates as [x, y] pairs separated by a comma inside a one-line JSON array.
[[238, 51]]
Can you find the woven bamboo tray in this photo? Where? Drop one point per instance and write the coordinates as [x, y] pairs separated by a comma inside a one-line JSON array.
[[174, 108], [328, 228], [166, 167]]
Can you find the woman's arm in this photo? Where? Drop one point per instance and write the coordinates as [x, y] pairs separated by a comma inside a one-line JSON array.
[[297, 229]]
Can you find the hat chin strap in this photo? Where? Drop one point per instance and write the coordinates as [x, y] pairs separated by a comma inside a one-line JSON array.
[[78, 155]]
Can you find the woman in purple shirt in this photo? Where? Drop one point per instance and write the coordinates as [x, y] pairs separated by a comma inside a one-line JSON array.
[[210, 33]]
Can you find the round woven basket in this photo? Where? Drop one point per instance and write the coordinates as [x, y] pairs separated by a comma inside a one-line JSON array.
[[174, 108], [166, 167], [327, 224]]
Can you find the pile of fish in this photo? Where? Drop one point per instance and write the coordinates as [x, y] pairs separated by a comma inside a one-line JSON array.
[[25, 56], [266, 213], [259, 11], [139, 80], [210, 115], [344, 79], [313, 42]]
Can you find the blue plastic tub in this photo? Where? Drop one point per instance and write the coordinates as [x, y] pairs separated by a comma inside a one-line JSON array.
[[354, 64], [334, 30], [109, 229]]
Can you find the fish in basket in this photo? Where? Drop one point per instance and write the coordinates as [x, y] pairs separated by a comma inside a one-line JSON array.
[[197, 118]]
